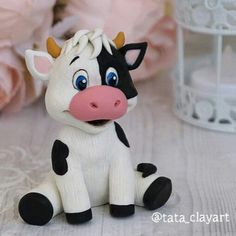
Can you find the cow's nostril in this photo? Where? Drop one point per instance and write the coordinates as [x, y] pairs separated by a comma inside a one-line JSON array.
[[117, 103], [93, 105]]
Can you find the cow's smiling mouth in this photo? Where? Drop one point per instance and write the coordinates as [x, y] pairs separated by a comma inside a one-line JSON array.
[[97, 122], [93, 122]]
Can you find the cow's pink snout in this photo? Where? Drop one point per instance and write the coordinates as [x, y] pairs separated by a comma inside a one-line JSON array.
[[98, 103]]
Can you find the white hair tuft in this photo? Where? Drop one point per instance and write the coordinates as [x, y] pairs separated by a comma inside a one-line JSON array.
[[96, 33], [106, 43], [97, 47], [83, 37], [82, 43]]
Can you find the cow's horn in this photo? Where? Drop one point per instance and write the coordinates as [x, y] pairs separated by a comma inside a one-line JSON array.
[[119, 40], [53, 49]]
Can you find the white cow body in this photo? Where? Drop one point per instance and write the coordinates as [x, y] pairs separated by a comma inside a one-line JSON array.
[[90, 87], [91, 164]]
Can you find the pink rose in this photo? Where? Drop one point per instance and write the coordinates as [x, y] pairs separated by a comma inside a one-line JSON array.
[[20, 19], [16, 88], [161, 50], [140, 20], [25, 24], [12, 87]]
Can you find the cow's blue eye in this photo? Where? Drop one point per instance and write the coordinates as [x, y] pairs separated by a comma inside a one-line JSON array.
[[80, 80], [112, 77]]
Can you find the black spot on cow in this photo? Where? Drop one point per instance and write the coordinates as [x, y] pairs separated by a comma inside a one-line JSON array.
[[122, 210], [60, 152], [79, 218], [121, 135], [157, 193], [147, 169], [35, 209]]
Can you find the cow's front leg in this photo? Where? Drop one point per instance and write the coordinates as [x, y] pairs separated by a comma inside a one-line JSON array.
[[121, 184], [71, 185]]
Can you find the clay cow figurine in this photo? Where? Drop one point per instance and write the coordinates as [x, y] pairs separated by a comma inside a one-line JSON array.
[[89, 87]]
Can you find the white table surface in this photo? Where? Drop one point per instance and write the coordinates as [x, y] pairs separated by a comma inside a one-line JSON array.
[[201, 164]]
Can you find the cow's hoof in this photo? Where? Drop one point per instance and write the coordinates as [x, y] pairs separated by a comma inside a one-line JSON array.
[[35, 209], [157, 193], [79, 218], [122, 210]]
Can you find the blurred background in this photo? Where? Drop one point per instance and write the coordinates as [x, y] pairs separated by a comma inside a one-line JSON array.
[[200, 163], [26, 24]]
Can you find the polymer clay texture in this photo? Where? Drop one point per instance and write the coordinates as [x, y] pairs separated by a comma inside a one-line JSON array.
[[90, 87]]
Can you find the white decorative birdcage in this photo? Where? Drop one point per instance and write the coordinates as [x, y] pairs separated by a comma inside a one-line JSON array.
[[205, 82]]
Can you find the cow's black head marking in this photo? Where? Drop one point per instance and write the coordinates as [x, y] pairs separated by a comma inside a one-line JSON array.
[[119, 62]]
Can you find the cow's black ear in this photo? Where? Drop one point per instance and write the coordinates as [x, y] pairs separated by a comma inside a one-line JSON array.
[[133, 54]]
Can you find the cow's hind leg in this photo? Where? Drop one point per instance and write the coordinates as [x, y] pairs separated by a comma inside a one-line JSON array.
[[152, 191], [41, 204]]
